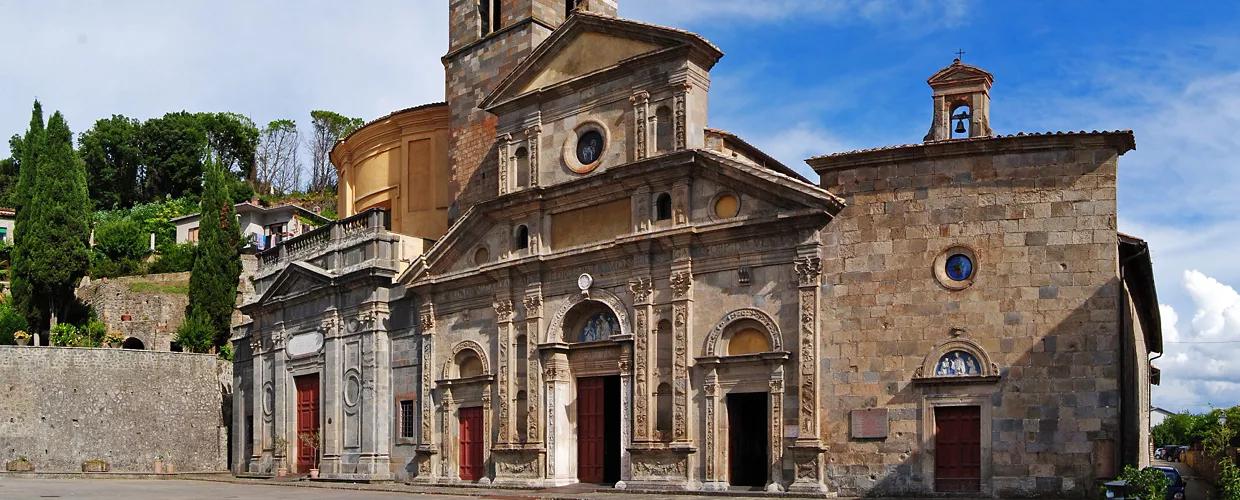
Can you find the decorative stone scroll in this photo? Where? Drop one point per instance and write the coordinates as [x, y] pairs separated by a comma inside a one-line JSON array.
[[714, 338]]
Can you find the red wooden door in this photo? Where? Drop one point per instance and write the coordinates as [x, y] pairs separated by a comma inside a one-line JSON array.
[[471, 444], [957, 448], [590, 429], [307, 418]]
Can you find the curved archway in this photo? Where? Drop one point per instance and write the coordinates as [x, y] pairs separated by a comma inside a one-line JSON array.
[[133, 343], [755, 317], [462, 354], [963, 358], [555, 330]]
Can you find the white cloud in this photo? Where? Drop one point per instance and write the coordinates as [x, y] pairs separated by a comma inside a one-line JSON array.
[[1200, 362]]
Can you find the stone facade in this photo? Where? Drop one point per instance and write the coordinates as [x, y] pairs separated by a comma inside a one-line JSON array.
[[633, 298], [63, 406], [136, 307]]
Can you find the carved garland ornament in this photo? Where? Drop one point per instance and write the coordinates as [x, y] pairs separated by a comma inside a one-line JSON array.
[[716, 333], [639, 356], [427, 411], [680, 373]]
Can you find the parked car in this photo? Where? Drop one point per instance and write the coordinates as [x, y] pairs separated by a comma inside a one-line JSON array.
[[1118, 489], [1158, 453]]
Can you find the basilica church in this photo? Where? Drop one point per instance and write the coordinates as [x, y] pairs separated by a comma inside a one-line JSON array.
[[564, 275]]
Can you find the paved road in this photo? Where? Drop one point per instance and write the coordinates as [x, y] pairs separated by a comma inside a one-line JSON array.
[[125, 489], [1198, 488]]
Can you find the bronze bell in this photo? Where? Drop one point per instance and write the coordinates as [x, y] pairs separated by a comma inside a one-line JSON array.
[[960, 126]]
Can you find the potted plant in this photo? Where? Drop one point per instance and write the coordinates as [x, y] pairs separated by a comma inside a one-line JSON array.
[[278, 446], [159, 464], [312, 440], [113, 339], [96, 465], [19, 465], [21, 337]]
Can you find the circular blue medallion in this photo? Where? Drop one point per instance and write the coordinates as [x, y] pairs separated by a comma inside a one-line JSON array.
[[959, 267]]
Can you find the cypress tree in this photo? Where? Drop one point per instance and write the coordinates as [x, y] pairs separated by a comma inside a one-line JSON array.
[[58, 224], [23, 292], [213, 281]]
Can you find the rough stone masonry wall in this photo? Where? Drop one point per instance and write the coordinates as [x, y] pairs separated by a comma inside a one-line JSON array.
[[62, 406], [1042, 226], [154, 316]]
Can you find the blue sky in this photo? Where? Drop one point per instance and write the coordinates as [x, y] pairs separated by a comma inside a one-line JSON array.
[[800, 78]]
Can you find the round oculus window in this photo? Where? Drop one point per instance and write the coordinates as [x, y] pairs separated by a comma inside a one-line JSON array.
[[726, 206], [589, 147], [959, 267]]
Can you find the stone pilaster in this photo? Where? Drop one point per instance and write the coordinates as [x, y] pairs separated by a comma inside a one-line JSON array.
[[501, 145], [280, 382], [642, 292], [559, 431], [504, 370], [776, 481], [532, 136], [626, 413], [681, 123], [807, 451], [710, 458], [641, 105], [262, 403], [682, 320], [533, 328], [426, 448]]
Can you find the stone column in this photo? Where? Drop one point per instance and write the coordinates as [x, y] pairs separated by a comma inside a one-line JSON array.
[[710, 458], [501, 145], [682, 321], [449, 468], [504, 368], [641, 105], [533, 379], [426, 449], [262, 403], [641, 290], [559, 432], [776, 474], [486, 434], [532, 136], [807, 451], [681, 121], [376, 417], [279, 383], [626, 413], [332, 390]]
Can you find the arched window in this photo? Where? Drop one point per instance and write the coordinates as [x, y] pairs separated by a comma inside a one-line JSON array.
[[522, 238], [663, 207], [961, 121], [133, 343], [523, 167], [663, 340], [489, 16], [468, 364], [664, 136], [663, 409], [748, 341]]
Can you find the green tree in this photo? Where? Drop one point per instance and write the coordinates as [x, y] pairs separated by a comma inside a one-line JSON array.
[[24, 298], [328, 127], [57, 225], [213, 281], [233, 138], [113, 156], [9, 171], [172, 151]]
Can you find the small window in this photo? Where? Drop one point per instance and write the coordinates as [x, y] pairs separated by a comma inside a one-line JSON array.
[[589, 147], [193, 235], [481, 256], [727, 206], [489, 16], [406, 419], [569, 7], [522, 237], [664, 135], [959, 267], [523, 167], [663, 207]]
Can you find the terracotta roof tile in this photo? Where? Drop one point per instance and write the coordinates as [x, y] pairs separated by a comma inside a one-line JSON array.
[[971, 139]]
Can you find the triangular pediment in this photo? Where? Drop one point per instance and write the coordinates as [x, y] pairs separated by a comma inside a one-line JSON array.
[[297, 279], [589, 44], [959, 72]]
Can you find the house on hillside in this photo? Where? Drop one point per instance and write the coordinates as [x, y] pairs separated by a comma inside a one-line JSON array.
[[263, 226], [8, 221]]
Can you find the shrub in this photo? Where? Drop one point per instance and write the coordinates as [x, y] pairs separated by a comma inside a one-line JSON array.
[[10, 322], [114, 338], [102, 266], [122, 240], [174, 258], [196, 334], [1146, 484], [95, 332], [67, 335]]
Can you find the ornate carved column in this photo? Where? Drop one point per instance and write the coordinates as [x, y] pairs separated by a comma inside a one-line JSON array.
[[641, 106], [426, 448], [775, 484], [532, 136], [626, 412], [681, 123], [682, 321], [503, 369], [807, 452], [533, 328], [262, 401], [710, 459], [502, 146], [642, 291], [559, 432], [447, 460]]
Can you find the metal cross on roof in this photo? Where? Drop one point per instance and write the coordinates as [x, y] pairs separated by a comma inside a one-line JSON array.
[[960, 53]]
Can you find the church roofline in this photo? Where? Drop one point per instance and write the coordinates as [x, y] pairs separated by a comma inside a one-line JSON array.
[[1122, 140], [941, 76], [769, 161], [702, 47]]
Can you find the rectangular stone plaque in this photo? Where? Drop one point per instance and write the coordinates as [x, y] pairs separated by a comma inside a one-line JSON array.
[[869, 424]]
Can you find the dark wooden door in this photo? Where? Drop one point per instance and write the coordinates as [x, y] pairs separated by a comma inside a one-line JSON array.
[[591, 425], [307, 419], [747, 439], [957, 448], [471, 444]]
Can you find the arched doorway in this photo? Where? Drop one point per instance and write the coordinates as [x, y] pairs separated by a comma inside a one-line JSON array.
[[133, 343]]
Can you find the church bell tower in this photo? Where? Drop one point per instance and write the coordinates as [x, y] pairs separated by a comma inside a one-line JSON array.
[[961, 103], [487, 39]]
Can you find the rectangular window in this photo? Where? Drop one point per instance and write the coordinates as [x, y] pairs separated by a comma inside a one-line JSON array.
[[193, 235], [406, 419], [4, 234], [484, 16]]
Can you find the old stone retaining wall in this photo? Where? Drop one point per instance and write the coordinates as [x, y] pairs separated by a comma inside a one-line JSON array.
[[149, 314], [61, 406]]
